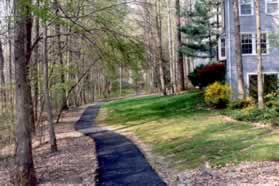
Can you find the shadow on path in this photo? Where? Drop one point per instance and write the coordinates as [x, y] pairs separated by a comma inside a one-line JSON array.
[[120, 162]]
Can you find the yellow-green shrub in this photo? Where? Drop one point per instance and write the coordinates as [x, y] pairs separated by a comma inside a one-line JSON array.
[[240, 104], [217, 94]]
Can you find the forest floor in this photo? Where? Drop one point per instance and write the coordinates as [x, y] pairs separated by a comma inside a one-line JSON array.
[[74, 163], [196, 144]]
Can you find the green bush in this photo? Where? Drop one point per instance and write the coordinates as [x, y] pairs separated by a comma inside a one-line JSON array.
[[194, 76], [253, 114], [217, 95], [272, 100], [240, 104]]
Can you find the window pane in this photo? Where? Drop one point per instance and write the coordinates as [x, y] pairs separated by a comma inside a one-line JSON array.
[[263, 43], [223, 47], [246, 44], [272, 7], [246, 9], [270, 83], [253, 86]]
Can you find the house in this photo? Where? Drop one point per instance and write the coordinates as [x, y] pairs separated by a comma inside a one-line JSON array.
[[270, 27]]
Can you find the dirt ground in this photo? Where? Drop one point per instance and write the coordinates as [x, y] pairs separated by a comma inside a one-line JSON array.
[[74, 163], [246, 173]]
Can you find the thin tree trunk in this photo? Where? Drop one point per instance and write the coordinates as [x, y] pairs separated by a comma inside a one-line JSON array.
[[259, 56], [238, 54], [171, 54], [159, 47], [218, 25], [2, 78], [60, 54], [25, 172], [51, 130], [210, 43], [36, 66], [180, 55], [10, 63], [120, 79]]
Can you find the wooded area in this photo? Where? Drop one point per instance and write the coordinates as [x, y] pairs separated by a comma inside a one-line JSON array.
[[61, 54]]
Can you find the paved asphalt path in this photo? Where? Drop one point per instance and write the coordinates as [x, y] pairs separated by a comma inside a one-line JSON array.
[[120, 161]]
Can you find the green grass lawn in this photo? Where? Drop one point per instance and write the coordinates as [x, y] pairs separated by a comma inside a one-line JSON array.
[[182, 129]]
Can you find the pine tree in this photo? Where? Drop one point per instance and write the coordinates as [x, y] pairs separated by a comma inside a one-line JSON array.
[[203, 30]]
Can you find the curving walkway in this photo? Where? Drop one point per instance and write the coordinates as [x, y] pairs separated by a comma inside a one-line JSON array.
[[120, 161]]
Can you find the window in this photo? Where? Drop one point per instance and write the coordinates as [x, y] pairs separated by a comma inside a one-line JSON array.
[[223, 47], [246, 7], [272, 7], [271, 84], [253, 86], [264, 44], [247, 43]]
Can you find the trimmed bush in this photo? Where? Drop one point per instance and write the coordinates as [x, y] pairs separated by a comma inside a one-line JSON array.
[[217, 95], [205, 75]]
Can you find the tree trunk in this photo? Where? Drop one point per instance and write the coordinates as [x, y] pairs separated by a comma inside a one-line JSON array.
[[60, 54], [180, 59], [120, 79], [11, 92], [218, 26], [171, 54], [148, 41], [159, 50], [25, 173], [36, 66], [259, 56], [238, 53], [52, 137], [2, 78]]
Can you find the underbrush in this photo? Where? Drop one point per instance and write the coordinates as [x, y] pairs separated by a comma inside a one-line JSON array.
[[253, 114], [7, 128], [247, 110]]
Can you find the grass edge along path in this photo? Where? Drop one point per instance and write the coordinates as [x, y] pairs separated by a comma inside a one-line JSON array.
[[182, 129]]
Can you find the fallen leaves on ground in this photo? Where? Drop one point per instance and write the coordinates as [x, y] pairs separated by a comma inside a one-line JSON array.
[[247, 173], [73, 164]]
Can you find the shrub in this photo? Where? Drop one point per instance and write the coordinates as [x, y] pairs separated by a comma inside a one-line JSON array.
[[217, 95], [253, 114], [194, 76], [239, 104], [272, 100], [205, 75]]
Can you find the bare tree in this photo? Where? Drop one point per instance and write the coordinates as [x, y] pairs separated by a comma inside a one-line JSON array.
[[159, 52], [171, 48], [60, 53], [25, 173], [52, 137], [238, 54], [180, 55], [36, 61], [2, 76]]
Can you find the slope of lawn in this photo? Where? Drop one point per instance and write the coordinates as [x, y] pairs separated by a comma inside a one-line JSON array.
[[182, 129]]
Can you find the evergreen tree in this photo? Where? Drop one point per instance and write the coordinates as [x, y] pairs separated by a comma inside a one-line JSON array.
[[203, 31]]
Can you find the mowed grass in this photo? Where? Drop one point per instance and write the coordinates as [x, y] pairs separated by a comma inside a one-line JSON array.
[[182, 129]]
